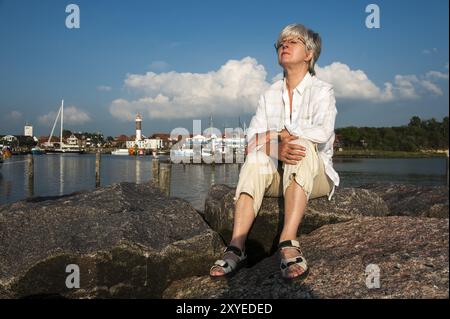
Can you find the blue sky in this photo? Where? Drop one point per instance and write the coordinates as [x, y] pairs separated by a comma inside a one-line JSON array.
[[175, 61]]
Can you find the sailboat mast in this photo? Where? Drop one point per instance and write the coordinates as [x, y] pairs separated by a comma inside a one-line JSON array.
[[62, 120], [53, 128], [210, 125]]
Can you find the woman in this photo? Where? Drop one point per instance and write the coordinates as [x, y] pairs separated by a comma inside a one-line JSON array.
[[294, 125]]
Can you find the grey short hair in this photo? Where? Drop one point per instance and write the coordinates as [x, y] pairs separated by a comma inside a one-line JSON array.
[[312, 40]]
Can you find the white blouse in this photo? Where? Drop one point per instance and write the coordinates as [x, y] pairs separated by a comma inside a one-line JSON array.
[[313, 116]]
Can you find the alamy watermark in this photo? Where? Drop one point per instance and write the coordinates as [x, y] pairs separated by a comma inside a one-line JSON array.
[[208, 146], [73, 280], [214, 146], [373, 19], [73, 19], [373, 276]]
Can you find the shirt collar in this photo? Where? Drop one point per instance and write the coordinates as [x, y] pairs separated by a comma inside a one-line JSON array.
[[304, 83]]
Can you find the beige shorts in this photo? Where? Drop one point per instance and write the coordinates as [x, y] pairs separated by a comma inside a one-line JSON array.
[[261, 175]]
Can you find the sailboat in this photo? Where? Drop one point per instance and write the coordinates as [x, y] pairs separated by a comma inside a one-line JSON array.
[[63, 148]]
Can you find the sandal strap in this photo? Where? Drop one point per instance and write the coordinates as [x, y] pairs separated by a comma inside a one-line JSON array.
[[228, 265], [226, 268], [285, 263], [298, 260], [289, 244], [235, 250], [301, 262]]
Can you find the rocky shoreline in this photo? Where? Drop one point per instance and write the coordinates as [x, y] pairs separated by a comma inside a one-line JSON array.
[[131, 241]]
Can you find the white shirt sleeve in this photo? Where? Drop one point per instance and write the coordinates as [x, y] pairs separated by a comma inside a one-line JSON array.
[[323, 118], [258, 123]]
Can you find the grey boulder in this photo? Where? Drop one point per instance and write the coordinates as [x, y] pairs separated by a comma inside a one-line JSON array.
[[413, 200], [127, 240], [367, 257]]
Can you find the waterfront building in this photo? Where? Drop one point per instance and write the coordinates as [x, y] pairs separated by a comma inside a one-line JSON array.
[[28, 130]]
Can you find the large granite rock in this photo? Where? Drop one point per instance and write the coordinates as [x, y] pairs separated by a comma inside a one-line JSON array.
[[412, 200], [4, 294], [411, 253], [128, 240], [346, 204]]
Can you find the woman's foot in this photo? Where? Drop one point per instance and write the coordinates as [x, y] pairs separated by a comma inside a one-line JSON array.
[[233, 259], [293, 264], [293, 270]]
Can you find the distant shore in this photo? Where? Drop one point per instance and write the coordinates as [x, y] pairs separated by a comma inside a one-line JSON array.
[[387, 154], [338, 154]]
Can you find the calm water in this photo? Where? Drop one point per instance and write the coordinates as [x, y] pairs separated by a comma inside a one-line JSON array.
[[59, 174]]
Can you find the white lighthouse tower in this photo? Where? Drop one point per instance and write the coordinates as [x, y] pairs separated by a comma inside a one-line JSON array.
[[138, 127]]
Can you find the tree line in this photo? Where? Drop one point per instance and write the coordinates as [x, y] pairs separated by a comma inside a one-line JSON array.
[[417, 135]]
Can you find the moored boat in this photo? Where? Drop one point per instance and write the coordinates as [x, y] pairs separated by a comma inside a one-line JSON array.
[[120, 151], [63, 148], [37, 151]]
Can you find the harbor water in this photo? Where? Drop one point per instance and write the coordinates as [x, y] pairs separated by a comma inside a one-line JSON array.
[[60, 174]]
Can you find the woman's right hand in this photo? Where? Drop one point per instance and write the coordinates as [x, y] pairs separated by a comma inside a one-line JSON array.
[[290, 153]]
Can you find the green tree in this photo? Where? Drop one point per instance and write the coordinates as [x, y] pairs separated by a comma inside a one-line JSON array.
[[415, 122], [66, 133]]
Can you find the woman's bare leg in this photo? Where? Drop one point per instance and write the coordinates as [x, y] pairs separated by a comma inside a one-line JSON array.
[[244, 216], [294, 208]]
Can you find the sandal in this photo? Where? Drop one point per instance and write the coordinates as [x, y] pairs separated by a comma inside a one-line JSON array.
[[288, 262], [228, 265]]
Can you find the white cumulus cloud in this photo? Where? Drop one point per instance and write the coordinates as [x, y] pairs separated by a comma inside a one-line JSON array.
[[437, 75], [348, 83], [72, 115], [232, 89], [236, 86], [355, 84]]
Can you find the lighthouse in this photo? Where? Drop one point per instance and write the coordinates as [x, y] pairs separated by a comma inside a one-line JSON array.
[[138, 127]]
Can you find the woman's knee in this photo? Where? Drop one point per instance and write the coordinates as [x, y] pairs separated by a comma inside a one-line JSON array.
[[258, 163], [257, 157]]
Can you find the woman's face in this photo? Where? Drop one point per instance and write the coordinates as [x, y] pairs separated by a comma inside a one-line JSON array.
[[292, 51]]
